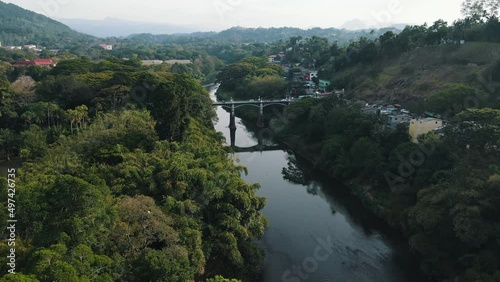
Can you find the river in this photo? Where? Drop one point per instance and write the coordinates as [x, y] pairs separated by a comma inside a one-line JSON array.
[[318, 231]]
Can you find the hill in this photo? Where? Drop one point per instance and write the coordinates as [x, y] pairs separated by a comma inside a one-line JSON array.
[[110, 27], [19, 27], [266, 35], [410, 79]]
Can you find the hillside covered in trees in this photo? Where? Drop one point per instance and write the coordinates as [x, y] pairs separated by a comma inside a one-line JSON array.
[[21, 27]]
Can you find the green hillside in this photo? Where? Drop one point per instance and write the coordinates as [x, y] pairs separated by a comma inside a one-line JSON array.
[[19, 26], [410, 79]]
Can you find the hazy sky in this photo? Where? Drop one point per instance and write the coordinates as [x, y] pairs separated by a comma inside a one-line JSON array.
[[221, 14]]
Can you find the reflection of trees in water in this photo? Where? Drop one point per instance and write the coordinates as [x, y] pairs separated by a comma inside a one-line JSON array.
[[296, 173], [299, 172]]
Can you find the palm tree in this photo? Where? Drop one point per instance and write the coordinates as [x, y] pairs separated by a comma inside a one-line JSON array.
[[51, 108], [72, 117], [28, 116]]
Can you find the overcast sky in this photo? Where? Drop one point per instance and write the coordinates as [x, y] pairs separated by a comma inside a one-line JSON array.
[[222, 14]]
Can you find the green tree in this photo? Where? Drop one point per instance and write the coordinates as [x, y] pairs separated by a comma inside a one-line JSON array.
[[34, 143], [480, 10], [8, 141], [453, 100]]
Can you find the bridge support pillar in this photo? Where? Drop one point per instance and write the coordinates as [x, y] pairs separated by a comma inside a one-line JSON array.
[[232, 133], [232, 119], [260, 120], [232, 126]]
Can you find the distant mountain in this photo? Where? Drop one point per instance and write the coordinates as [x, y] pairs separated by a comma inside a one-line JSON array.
[[358, 24], [355, 24], [263, 35], [20, 27], [111, 27], [400, 26]]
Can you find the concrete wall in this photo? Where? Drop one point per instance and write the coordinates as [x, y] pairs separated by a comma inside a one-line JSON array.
[[423, 126]]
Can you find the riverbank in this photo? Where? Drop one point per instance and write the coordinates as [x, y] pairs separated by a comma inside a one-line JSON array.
[[359, 188]]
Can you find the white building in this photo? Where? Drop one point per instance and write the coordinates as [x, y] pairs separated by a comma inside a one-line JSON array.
[[422, 126], [107, 46], [151, 62], [181, 62]]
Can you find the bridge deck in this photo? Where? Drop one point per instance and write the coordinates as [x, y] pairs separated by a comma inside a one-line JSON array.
[[267, 102]]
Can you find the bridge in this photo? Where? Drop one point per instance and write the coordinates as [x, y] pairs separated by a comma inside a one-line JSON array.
[[261, 104], [258, 104], [258, 148]]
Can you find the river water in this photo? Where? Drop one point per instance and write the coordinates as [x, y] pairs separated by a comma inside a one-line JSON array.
[[318, 231]]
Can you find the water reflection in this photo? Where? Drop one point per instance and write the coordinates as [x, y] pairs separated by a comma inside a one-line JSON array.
[[293, 173]]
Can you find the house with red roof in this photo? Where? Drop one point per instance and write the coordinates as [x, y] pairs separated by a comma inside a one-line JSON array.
[[23, 63], [35, 62], [43, 62]]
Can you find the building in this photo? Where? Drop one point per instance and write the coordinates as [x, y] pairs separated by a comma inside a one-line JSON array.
[[422, 126], [35, 62], [107, 46], [395, 119], [182, 62], [309, 85], [44, 62], [23, 63], [276, 58], [151, 62], [323, 84], [12, 48]]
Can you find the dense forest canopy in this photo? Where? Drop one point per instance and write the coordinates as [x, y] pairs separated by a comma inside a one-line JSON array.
[[123, 178]]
